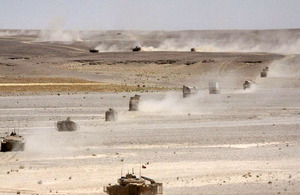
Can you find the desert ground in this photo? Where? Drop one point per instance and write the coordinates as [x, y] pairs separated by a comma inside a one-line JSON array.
[[236, 142]]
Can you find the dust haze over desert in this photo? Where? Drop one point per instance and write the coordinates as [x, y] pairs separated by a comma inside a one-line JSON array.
[[240, 141]]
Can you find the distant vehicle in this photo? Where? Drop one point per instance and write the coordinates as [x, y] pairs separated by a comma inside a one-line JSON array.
[[208, 61], [137, 48], [66, 125], [111, 115], [134, 103], [248, 84], [13, 142], [264, 72], [193, 49], [188, 91], [131, 185], [94, 51], [213, 88]]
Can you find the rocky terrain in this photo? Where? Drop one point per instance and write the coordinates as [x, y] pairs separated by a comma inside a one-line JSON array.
[[236, 142]]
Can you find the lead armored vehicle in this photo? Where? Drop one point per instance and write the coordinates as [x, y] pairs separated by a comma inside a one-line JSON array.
[[131, 185], [94, 50], [248, 84], [193, 49], [111, 115], [137, 48], [12, 142], [66, 125], [134, 103], [188, 91]]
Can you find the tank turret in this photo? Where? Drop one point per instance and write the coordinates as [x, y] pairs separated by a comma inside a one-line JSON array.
[[188, 91], [134, 103], [132, 185], [66, 125], [130, 179], [12, 142], [111, 115]]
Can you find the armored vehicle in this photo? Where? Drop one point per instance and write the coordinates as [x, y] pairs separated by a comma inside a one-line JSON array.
[[213, 88], [66, 125], [248, 84], [131, 185], [134, 103], [94, 51], [13, 142], [188, 91], [193, 49], [111, 115], [208, 61], [264, 72], [137, 48]]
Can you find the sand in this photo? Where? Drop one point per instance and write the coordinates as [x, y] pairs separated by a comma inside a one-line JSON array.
[[237, 142]]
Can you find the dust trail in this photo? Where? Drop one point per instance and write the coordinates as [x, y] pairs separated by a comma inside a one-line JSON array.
[[55, 33], [272, 41], [253, 89], [122, 42], [174, 103], [285, 67], [10, 33], [170, 102], [48, 142], [107, 48]]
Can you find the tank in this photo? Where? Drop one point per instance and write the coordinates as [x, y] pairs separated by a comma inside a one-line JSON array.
[[94, 51], [111, 115], [193, 49], [248, 84], [66, 125], [13, 142], [134, 103], [188, 91], [264, 72], [131, 185], [137, 48], [213, 88]]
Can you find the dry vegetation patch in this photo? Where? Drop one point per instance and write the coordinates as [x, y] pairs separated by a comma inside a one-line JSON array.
[[33, 84]]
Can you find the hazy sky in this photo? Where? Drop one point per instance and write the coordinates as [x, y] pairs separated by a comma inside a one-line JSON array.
[[149, 14]]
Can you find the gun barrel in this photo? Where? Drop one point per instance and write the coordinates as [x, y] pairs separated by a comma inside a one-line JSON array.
[[148, 179]]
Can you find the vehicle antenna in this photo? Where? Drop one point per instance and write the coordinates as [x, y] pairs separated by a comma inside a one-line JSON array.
[[122, 167], [140, 167]]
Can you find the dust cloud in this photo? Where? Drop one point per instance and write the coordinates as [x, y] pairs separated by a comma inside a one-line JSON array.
[[45, 142], [173, 103], [107, 48], [56, 33], [286, 67], [271, 41], [11, 33]]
